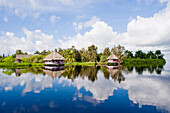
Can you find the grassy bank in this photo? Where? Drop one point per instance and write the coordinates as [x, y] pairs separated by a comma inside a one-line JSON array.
[[144, 61], [21, 64], [85, 63], [126, 62]]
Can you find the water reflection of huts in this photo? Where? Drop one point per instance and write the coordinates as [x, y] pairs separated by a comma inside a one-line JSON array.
[[54, 74], [116, 74]]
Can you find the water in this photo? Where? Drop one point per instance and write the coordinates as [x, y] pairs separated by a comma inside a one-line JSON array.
[[141, 89]]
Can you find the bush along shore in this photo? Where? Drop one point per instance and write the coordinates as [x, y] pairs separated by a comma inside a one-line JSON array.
[[126, 62], [144, 61], [4, 64]]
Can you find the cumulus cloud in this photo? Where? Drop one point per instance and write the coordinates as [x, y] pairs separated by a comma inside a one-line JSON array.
[[142, 33], [100, 35], [54, 19], [33, 40], [81, 25]]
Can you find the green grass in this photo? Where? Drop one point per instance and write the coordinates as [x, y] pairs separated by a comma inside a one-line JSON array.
[[126, 62], [143, 61], [21, 64], [85, 63]]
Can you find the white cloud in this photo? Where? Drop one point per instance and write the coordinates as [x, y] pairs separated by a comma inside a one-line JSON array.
[[92, 21], [34, 40], [79, 26], [5, 19], [53, 19], [9, 34], [100, 35], [142, 33]]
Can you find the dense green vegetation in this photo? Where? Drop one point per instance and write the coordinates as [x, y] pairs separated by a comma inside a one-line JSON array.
[[4, 64], [143, 61], [87, 57]]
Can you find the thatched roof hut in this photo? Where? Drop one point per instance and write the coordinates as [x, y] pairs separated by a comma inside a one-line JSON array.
[[54, 56], [111, 57], [19, 56]]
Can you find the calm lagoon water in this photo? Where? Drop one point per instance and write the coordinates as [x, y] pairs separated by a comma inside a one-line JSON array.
[[140, 89]]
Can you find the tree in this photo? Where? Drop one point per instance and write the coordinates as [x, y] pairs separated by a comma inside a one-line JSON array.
[[3, 55], [158, 53], [92, 53], [69, 56], [76, 54], [119, 51], [19, 51], [9, 59], [84, 55], [106, 51], [37, 52], [129, 54], [151, 55], [55, 50]]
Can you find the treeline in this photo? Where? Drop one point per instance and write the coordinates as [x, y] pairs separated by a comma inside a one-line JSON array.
[[149, 55], [86, 55]]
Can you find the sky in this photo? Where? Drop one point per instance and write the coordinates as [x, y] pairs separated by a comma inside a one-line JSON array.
[[32, 25]]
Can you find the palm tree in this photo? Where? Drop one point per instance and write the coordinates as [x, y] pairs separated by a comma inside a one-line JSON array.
[[158, 53]]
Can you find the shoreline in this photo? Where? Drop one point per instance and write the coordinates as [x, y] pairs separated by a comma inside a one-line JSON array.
[[126, 62]]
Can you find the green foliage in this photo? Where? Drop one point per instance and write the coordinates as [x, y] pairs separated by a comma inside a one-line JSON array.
[[103, 58], [144, 61], [106, 51], [33, 59], [4, 64], [92, 53], [129, 54], [119, 51], [9, 59], [8, 71], [70, 56]]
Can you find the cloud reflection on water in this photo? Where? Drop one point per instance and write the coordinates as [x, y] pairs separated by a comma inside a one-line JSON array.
[[145, 89]]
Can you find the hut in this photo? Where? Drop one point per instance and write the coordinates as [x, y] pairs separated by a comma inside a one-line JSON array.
[[112, 59], [54, 59], [18, 57]]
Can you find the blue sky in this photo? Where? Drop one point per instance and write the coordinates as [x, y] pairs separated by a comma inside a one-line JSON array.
[[69, 22]]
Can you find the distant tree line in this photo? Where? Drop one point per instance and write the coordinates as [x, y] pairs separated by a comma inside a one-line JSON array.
[[86, 55], [149, 55]]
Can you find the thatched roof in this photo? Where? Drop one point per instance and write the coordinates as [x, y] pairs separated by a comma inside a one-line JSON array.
[[54, 56], [19, 56], [54, 74], [112, 57]]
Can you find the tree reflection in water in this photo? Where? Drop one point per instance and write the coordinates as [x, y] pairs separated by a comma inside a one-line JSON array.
[[73, 72], [143, 68]]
